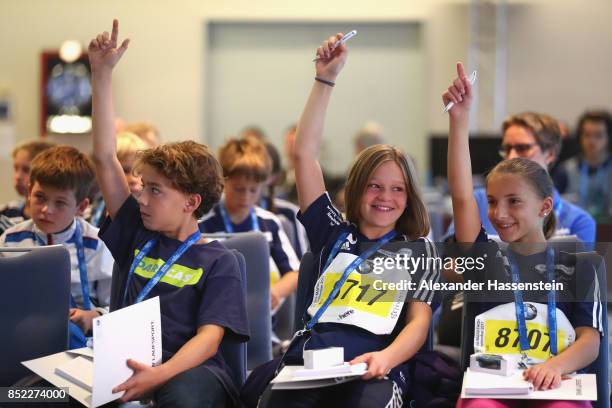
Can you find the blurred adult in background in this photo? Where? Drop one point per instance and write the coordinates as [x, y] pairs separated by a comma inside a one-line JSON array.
[[586, 179], [537, 137], [372, 133]]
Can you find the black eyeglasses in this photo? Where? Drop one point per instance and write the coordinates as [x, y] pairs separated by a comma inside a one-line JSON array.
[[520, 148]]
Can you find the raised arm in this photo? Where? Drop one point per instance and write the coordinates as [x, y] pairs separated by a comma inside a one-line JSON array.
[[465, 210], [308, 174], [103, 56]]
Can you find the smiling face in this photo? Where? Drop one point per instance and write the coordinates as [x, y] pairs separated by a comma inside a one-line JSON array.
[[162, 207], [383, 201], [515, 209], [52, 209]]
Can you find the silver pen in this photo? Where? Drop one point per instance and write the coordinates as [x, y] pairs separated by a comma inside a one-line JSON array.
[[344, 39], [472, 80]]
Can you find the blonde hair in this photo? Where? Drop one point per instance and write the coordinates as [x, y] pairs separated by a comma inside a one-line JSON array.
[[414, 221], [146, 131], [128, 146], [245, 157]]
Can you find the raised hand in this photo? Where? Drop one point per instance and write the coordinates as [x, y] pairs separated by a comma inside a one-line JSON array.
[[330, 62], [460, 92], [103, 51]]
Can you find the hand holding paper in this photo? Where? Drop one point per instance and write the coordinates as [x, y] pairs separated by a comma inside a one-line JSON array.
[[142, 383]]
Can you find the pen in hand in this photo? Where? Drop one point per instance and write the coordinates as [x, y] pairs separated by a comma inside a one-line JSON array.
[[472, 80], [344, 39]]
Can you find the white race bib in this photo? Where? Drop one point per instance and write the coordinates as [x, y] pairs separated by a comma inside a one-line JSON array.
[[496, 331], [358, 303]]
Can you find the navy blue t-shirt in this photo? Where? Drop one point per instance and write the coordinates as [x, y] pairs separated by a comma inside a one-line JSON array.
[[579, 299], [281, 251], [324, 225], [202, 287]]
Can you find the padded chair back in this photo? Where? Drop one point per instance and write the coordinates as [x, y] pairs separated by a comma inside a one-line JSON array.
[[599, 367], [306, 280], [289, 229], [34, 302], [285, 318], [256, 251], [235, 352]]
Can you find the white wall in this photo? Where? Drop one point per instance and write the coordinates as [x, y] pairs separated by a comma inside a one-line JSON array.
[[162, 76]]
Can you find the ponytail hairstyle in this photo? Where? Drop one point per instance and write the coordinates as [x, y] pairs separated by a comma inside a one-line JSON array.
[[537, 177], [414, 221]]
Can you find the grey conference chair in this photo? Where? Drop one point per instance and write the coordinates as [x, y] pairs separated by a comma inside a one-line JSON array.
[[34, 303]]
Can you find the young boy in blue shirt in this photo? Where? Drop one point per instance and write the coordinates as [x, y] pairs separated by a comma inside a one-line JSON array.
[[159, 251], [246, 166], [60, 178]]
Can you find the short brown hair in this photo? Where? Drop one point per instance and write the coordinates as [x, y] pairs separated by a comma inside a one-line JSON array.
[[544, 128], [414, 221], [190, 167], [245, 157], [537, 177], [65, 168], [33, 148]]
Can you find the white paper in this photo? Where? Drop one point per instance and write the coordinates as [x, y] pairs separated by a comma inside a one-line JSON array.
[[45, 368], [287, 378], [79, 371], [580, 387], [84, 351], [133, 333]]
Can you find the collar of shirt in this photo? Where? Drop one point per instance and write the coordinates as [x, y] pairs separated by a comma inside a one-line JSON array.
[[59, 237]]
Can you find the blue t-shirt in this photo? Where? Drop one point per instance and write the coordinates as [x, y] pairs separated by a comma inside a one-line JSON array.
[[324, 224], [202, 287], [281, 251], [571, 219]]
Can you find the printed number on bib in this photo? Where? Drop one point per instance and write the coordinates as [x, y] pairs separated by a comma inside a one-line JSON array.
[[358, 302], [496, 331]]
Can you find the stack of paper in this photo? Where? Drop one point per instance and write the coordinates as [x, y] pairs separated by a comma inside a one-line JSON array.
[[298, 377], [90, 375], [579, 387], [78, 371]]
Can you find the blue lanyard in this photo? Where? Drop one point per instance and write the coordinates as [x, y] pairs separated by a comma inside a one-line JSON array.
[[352, 266], [192, 239], [600, 178], [229, 228], [520, 306], [80, 252], [97, 215]]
